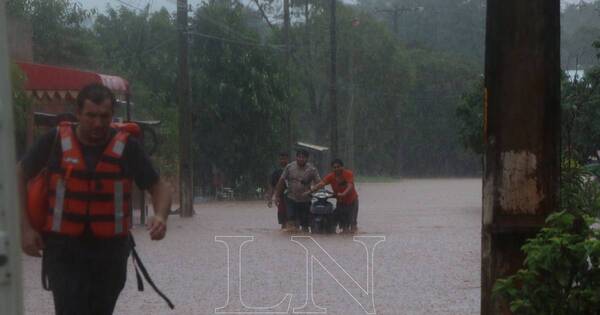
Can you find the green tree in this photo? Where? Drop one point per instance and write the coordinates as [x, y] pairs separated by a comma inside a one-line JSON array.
[[238, 95], [561, 272], [430, 126], [140, 46], [470, 115], [581, 114], [21, 104], [580, 26], [60, 35]]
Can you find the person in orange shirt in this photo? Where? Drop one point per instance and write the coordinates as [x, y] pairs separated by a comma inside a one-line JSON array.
[[342, 183]]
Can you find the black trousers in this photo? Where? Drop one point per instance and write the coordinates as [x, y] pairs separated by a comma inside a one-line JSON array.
[[85, 275], [282, 210], [299, 212], [347, 214]]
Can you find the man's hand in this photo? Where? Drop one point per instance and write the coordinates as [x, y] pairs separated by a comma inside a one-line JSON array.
[[32, 242], [307, 193], [277, 201], [270, 203], [157, 227]]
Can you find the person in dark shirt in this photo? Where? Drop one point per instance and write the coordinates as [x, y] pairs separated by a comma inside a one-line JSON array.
[[284, 160], [86, 271]]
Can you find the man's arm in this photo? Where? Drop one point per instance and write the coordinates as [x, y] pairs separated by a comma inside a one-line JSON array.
[[281, 184], [316, 176], [350, 180], [316, 187], [269, 195], [33, 162], [321, 184], [146, 177], [161, 202], [270, 191], [279, 190], [347, 191], [31, 240]]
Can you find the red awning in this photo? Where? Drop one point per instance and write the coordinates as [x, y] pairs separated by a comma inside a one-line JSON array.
[[44, 80]]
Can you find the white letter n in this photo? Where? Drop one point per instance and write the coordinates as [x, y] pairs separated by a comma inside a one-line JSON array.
[[364, 298]]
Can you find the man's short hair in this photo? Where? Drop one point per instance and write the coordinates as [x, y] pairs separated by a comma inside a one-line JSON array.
[[337, 161], [96, 93], [303, 152], [284, 154]]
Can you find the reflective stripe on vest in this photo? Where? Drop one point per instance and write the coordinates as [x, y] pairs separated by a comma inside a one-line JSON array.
[[119, 213], [59, 205]]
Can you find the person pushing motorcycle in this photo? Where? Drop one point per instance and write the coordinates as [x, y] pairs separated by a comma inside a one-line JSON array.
[[299, 175], [342, 183]]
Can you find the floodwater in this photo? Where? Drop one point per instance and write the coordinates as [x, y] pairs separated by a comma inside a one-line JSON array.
[[429, 262]]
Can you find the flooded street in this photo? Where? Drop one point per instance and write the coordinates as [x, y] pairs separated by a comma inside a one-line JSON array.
[[428, 264]]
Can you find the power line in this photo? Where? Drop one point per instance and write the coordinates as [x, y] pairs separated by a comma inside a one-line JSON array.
[[233, 41], [125, 3], [226, 28]]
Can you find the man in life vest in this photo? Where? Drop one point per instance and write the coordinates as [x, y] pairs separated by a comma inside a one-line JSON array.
[[90, 168], [342, 183]]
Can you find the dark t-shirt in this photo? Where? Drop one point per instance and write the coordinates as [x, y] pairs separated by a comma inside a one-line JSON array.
[[275, 176], [135, 163]]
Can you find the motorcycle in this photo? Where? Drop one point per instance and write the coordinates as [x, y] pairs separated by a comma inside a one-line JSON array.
[[323, 218]]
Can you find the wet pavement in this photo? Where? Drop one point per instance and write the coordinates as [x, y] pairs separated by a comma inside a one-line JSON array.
[[429, 262]]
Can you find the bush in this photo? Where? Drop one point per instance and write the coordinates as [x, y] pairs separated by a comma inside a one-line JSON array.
[[580, 188], [561, 272]]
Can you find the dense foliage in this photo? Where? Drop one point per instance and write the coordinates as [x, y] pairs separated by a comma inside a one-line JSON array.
[[561, 273], [398, 86]]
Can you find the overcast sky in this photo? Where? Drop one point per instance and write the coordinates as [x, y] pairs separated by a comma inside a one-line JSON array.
[[170, 4]]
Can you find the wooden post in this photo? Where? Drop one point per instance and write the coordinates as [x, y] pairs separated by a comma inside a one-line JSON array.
[[333, 80], [286, 35], [521, 130], [186, 184]]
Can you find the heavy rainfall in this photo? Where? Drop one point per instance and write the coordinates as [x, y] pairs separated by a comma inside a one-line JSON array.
[[236, 138]]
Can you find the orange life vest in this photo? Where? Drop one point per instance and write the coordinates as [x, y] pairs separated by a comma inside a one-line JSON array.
[[78, 197]]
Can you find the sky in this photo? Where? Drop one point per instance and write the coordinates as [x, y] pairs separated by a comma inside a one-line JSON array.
[[155, 4], [170, 4]]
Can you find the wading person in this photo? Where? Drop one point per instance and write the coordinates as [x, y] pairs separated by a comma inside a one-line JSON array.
[[284, 160], [342, 183], [84, 237], [299, 175]]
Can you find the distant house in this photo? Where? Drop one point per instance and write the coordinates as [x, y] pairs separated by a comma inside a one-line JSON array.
[[575, 75]]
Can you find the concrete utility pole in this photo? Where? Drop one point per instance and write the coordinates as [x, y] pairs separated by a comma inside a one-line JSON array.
[[11, 299], [521, 129], [333, 81], [286, 35], [186, 174]]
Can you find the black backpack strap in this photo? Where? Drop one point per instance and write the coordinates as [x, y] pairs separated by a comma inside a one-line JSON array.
[[139, 267], [44, 273]]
